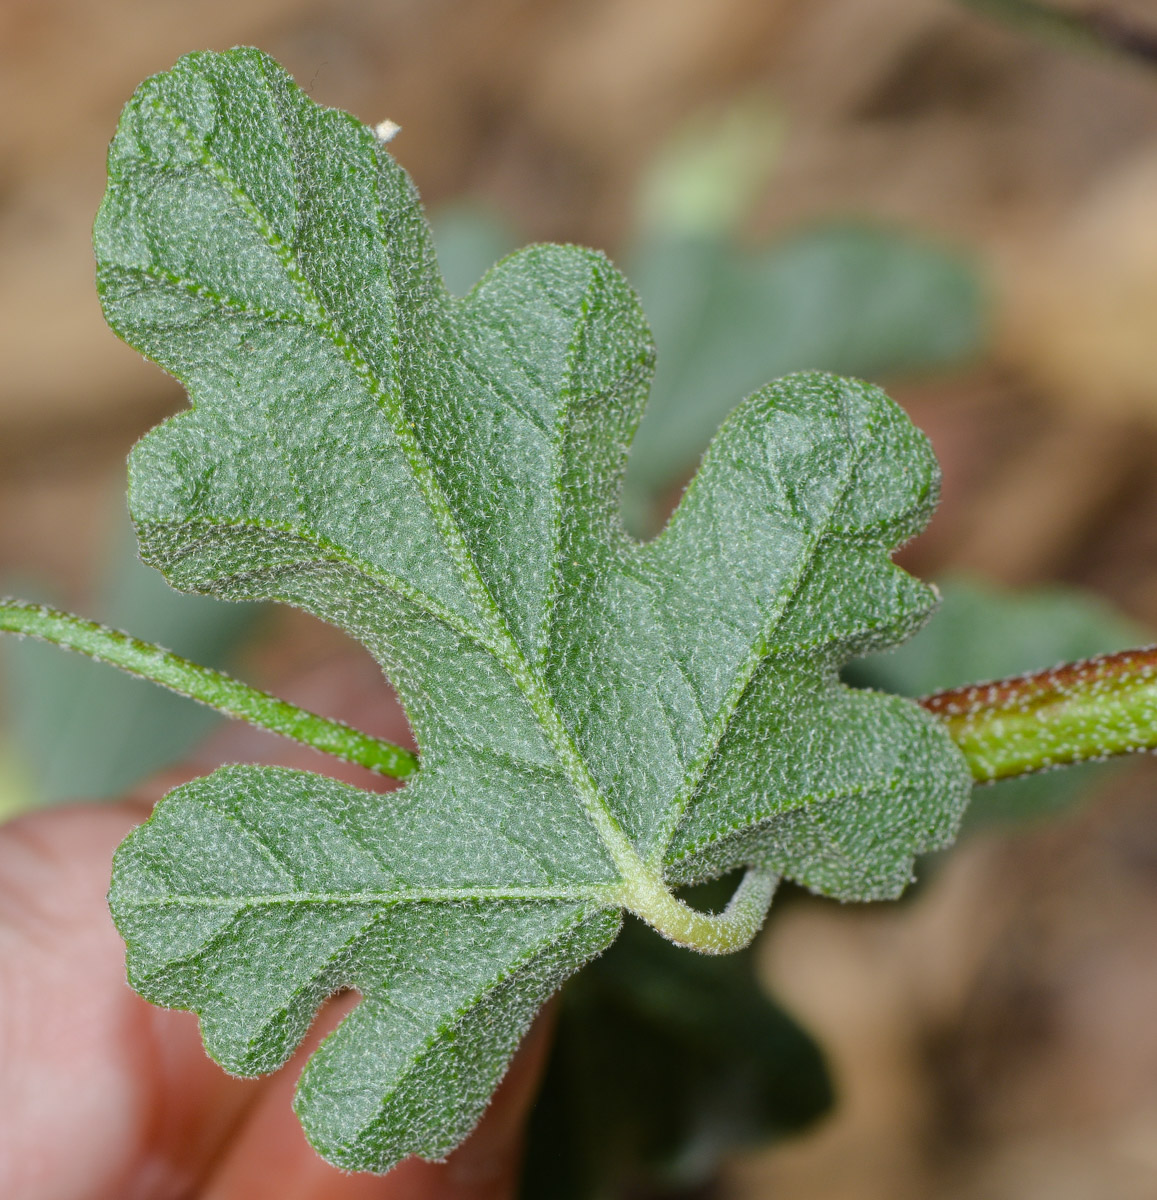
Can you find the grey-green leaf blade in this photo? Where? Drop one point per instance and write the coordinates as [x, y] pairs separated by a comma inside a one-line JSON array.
[[253, 894], [542, 396], [597, 719], [504, 961], [836, 789], [805, 491], [278, 373]]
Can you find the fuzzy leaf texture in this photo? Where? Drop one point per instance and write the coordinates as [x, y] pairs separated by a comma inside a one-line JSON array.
[[599, 720]]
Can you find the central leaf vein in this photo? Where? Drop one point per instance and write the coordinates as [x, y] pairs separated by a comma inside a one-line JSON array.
[[726, 711], [505, 647]]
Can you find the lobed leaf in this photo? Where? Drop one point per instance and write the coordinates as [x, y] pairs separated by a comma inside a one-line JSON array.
[[598, 719]]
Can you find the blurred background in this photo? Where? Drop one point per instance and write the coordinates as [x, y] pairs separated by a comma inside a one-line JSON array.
[[956, 199]]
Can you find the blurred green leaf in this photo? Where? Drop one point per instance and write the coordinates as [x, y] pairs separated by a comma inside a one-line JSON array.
[[853, 299], [984, 632], [470, 239], [707, 177], [15, 792], [663, 1062], [84, 731]]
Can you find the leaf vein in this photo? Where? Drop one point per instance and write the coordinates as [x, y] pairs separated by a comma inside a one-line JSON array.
[[719, 726]]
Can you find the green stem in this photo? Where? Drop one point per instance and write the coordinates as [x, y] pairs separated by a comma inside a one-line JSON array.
[[214, 688], [1094, 709], [1097, 30]]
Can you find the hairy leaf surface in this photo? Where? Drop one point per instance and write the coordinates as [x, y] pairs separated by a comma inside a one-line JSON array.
[[598, 719]]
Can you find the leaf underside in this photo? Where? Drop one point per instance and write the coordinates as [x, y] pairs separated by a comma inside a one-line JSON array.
[[440, 478]]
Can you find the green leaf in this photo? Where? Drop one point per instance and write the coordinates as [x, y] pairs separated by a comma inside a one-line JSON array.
[[599, 720], [849, 298]]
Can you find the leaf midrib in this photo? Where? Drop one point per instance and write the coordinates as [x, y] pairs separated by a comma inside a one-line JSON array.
[[759, 651], [505, 647]]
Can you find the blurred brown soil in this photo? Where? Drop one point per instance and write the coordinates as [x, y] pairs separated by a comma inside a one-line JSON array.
[[993, 1037]]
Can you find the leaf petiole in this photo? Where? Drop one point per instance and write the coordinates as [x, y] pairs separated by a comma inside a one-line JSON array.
[[214, 688], [1097, 708], [710, 933]]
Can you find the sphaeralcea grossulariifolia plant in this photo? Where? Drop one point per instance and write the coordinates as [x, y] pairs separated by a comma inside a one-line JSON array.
[[600, 720]]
